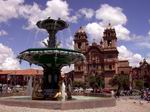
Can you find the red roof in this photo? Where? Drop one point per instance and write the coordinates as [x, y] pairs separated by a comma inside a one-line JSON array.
[[22, 72]]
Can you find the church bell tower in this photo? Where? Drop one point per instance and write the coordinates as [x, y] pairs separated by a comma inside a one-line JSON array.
[[109, 37], [110, 54], [80, 40]]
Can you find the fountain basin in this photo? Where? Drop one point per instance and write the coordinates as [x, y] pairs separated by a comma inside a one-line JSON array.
[[52, 60], [78, 102], [51, 56]]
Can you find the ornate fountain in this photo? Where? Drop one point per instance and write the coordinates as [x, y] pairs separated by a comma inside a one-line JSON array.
[[52, 59]]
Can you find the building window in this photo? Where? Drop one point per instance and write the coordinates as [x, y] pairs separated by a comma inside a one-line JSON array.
[[110, 67], [79, 68], [78, 37], [109, 43], [79, 45], [94, 66], [109, 56], [108, 34], [122, 72]]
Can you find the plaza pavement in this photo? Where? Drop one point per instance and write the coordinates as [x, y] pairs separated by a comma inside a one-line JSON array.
[[123, 105]]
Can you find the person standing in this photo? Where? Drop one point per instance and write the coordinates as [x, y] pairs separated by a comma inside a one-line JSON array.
[[1, 88], [117, 94]]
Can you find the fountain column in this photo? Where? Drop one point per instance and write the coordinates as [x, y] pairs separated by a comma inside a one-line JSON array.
[[50, 85], [52, 39]]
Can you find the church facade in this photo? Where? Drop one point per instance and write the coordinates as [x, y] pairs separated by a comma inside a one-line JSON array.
[[101, 59]]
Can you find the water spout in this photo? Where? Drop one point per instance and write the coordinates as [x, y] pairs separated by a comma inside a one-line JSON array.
[[63, 91], [35, 38], [29, 87], [20, 61]]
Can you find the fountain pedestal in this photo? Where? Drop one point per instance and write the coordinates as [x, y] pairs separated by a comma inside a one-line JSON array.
[[49, 86]]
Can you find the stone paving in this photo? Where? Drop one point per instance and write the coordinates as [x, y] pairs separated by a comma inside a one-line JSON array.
[[78, 102], [123, 105]]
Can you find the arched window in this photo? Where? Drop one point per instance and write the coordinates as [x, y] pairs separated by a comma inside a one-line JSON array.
[[79, 45], [109, 43], [110, 67]]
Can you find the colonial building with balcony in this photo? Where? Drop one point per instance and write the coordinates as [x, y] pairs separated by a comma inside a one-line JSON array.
[[142, 73]]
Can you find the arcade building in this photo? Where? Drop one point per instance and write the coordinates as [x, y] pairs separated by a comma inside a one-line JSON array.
[[101, 59], [19, 77]]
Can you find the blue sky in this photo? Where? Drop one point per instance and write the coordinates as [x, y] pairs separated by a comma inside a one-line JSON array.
[[130, 18]]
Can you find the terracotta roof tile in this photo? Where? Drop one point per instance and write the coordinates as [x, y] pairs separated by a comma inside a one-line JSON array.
[[22, 72]]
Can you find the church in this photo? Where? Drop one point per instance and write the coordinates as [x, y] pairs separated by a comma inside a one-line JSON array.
[[101, 59]]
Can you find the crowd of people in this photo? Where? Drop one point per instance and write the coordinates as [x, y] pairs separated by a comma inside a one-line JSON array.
[[145, 94]]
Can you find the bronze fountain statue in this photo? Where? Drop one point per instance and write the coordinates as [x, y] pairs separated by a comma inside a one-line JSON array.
[[51, 59]]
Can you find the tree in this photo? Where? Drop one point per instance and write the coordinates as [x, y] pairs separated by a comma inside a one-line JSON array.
[[78, 84], [146, 81], [96, 82], [139, 84], [121, 81]]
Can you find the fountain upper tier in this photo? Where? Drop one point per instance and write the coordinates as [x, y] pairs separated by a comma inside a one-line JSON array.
[[51, 57], [52, 25]]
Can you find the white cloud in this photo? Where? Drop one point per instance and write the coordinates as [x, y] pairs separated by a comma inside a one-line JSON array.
[[54, 9], [87, 13], [149, 21], [122, 32], [95, 31], [9, 9], [67, 43], [107, 14], [67, 69], [63, 43], [136, 59], [149, 33], [3, 32], [137, 38], [125, 54], [144, 44], [7, 58], [41, 43], [32, 13], [148, 60], [73, 19]]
